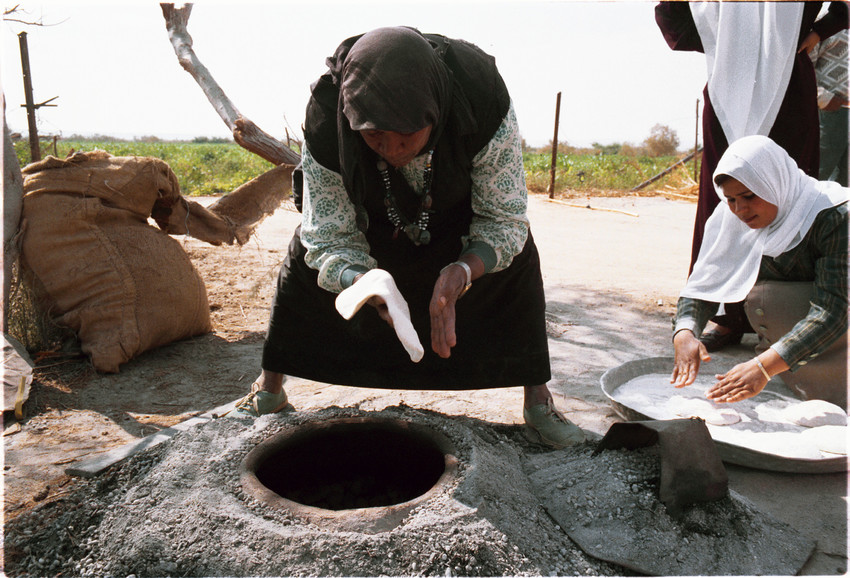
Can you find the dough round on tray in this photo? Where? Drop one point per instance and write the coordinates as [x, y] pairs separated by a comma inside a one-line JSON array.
[[786, 444], [815, 413], [831, 439], [704, 409]]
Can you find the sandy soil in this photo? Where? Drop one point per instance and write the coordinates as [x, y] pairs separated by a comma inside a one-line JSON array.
[[612, 273]]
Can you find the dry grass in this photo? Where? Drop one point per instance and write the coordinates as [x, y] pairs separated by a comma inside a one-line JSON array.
[[28, 321]]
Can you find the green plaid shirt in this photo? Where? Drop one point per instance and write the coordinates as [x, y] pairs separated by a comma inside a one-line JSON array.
[[821, 257]]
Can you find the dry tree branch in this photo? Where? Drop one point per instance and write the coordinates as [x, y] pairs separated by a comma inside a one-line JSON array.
[[16, 9], [247, 134]]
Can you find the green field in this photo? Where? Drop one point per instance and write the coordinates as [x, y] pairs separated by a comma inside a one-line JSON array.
[[205, 168], [202, 168], [588, 173]]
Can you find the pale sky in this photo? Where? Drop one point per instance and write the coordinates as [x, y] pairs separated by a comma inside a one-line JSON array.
[[115, 73]]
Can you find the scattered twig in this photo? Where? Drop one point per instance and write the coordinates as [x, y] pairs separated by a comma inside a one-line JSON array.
[[12, 429], [592, 208], [60, 493], [678, 196], [75, 359], [667, 170]]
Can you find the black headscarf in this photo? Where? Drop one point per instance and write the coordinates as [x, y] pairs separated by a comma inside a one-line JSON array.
[[392, 79], [401, 80]]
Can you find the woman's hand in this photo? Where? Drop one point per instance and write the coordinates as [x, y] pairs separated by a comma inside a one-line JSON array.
[[836, 103], [447, 290], [811, 40], [743, 381], [380, 305], [689, 353], [747, 379]]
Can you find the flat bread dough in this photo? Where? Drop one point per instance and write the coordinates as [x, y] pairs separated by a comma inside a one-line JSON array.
[[381, 283], [785, 443], [758, 425], [703, 409], [815, 413], [831, 439]]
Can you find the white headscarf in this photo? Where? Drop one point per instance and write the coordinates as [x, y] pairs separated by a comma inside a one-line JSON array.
[[731, 252], [750, 49]]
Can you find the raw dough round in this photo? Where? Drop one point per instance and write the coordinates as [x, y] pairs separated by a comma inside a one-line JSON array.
[[722, 416], [704, 409], [815, 413], [831, 439], [785, 443]]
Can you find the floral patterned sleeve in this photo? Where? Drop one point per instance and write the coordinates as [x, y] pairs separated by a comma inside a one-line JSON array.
[[499, 226], [335, 245]]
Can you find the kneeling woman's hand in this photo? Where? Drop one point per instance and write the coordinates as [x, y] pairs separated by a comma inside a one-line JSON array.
[[743, 381], [747, 379], [689, 353]]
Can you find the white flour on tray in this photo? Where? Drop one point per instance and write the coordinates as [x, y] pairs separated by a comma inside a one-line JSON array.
[[761, 423]]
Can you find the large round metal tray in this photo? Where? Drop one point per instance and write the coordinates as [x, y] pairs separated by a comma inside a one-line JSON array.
[[731, 450]]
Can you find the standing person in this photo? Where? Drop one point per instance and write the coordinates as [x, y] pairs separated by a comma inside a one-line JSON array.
[[760, 81], [413, 197], [830, 60], [778, 241]]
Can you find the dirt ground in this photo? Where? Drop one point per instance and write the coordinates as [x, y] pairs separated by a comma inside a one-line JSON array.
[[612, 269]]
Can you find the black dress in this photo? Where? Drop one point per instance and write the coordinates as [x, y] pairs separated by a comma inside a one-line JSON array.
[[500, 326]]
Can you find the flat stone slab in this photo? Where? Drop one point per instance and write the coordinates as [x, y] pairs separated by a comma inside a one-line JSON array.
[[92, 467], [608, 505]]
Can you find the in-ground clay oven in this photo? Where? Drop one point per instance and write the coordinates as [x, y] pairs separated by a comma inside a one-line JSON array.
[[347, 492], [359, 474]]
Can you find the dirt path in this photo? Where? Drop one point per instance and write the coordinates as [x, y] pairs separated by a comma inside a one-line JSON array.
[[611, 274]]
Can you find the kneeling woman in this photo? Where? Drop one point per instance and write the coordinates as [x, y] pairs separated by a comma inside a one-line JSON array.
[[780, 244]]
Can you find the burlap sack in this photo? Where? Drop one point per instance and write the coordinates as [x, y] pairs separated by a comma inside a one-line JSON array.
[[233, 217], [124, 286], [248, 204]]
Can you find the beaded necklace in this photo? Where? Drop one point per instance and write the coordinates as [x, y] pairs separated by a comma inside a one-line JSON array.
[[416, 230]]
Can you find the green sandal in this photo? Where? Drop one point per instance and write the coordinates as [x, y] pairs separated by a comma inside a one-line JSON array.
[[550, 427], [259, 402]]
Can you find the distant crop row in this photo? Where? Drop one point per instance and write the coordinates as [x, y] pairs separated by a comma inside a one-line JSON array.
[[217, 168], [601, 172]]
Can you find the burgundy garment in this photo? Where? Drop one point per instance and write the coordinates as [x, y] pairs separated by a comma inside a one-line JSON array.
[[796, 128]]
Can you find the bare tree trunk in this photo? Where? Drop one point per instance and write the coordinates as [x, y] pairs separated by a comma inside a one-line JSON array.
[[247, 134], [13, 202]]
